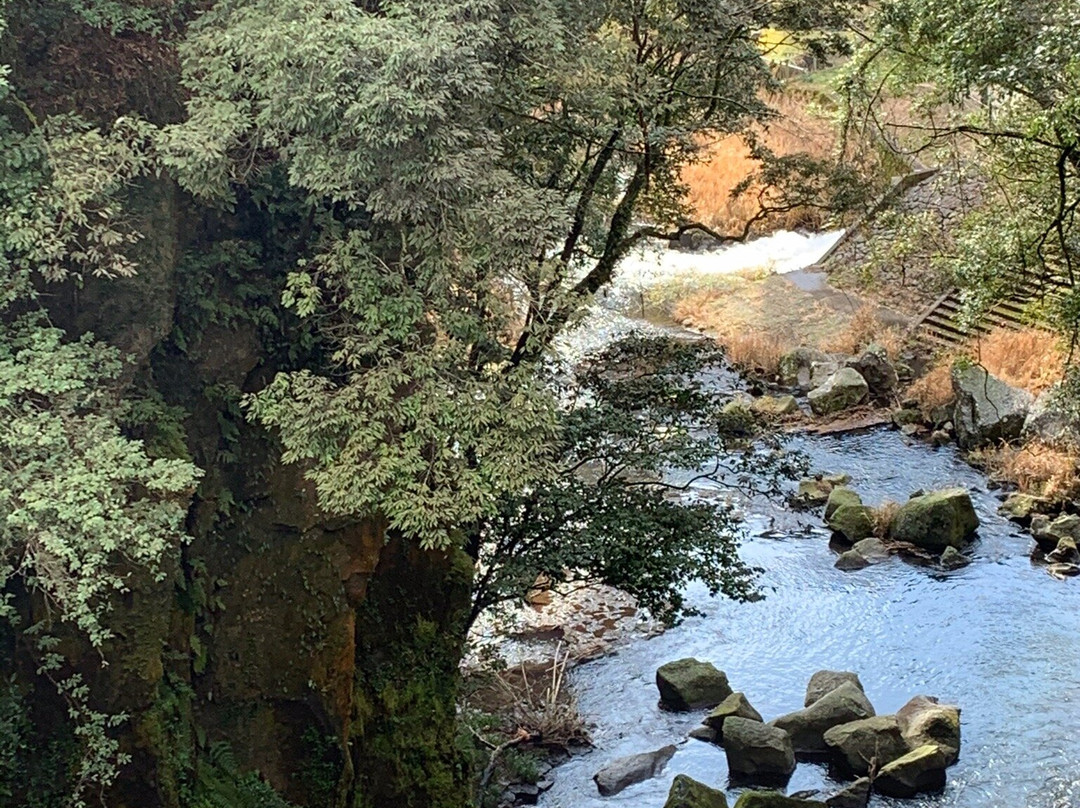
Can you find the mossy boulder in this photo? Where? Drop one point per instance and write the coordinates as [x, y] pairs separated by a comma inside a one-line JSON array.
[[734, 705], [774, 799], [843, 389], [853, 522], [774, 406], [920, 770], [797, 367], [857, 743], [987, 409], [907, 416], [924, 720], [690, 684], [689, 793], [757, 752], [840, 496], [936, 520], [807, 727], [824, 682], [1020, 508], [874, 366], [853, 795]]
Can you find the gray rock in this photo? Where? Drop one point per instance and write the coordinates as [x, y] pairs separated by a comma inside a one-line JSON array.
[[1020, 508], [824, 682], [853, 522], [774, 799], [857, 744], [940, 437], [774, 406], [987, 410], [707, 734], [924, 720], [855, 795], [821, 371], [936, 520], [757, 752], [843, 389], [796, 367], [734, 705], [689, 684], [1050, 421], [807, 727], [841, 495], [922, 769], [1064, 553], [953, 559], [814, 491], [689, 793], [850, 561], [910, 430], [907, 415], [1040, 530], [874, 366], [626, 771]]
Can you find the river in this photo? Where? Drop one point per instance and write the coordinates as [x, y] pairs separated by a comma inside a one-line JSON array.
[[999, 637]]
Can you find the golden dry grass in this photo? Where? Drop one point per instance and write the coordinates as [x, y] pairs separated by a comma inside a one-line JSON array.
[[883, 517], [756, 351], [934, 389], [1031, 359], [1035, 469], [866, 328], [727, 162]]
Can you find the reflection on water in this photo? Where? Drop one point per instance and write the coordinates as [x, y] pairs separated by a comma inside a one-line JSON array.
[[999, 637]]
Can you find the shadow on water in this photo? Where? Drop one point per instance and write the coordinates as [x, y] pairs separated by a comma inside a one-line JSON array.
[[999, 637]]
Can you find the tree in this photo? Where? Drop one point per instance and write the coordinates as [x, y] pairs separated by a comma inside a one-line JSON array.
[[387, 213], [996, 83]]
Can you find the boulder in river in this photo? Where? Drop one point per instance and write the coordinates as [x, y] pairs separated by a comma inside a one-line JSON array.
[[987, 409], [842, 390], [1064, 553], [924, 720], [936, 520], [841, 495], [796, 367], [920, 770], [734, 705], [854, 795], [689, 684], [1020, 508], [626, 771], [853, 522], [953, 559], [757, 752], [807, 727], [816, 490], [689, 793], [863, 554], [774, 799], [876, 740], [874, 366], [823, 682], [774, 406]]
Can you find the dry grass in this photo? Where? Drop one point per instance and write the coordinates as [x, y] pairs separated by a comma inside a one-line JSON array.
[[1031, 359], [866, 328], [756, 351], [883, 517], [540, 703], [934, 389], [727, 162], [1035, 469]]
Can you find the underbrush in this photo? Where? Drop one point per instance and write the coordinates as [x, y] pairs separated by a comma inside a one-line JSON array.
[[1030, 359], [1034, 468], [866, 328]]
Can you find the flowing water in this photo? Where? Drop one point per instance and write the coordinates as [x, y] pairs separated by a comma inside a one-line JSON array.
[[998, 637]]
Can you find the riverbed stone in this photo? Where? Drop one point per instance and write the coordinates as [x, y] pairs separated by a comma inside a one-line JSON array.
[[841, 495], [687, 792], [920, 770], [807, 727], [853, 522], [924, 720], [987, 409], [626, 771], [843, 389], [774, 799], [854, 795], [907, 415], [858, 743], [824, 682], [936, 520], [850, 561], [874, 366], [813, 491], [734, 705], [1040, 531], [953, 559], [690, 684], [1020, 508], [757, 752], [703, 733], [774, 406], [865, 553], [796, 367], [1064, 553]]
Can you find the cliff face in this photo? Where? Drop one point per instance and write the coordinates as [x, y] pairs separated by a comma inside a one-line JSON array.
[[321, 653]]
